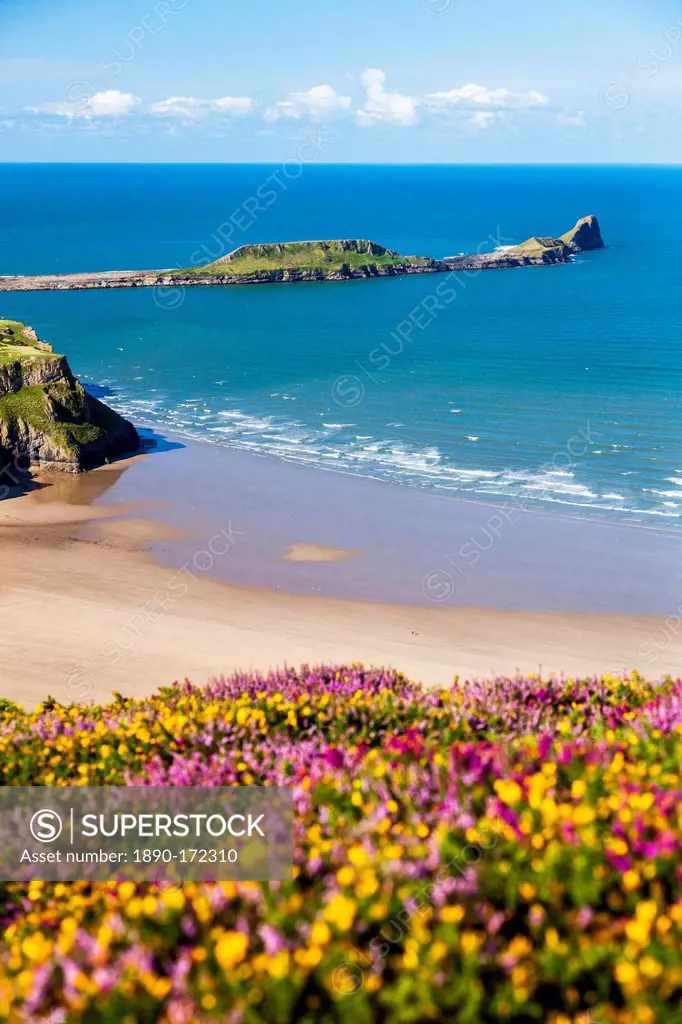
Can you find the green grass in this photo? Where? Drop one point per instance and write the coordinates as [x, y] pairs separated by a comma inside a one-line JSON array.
[[305, 256], [31, 405], [17, 343], [59, 409], [538, 245]]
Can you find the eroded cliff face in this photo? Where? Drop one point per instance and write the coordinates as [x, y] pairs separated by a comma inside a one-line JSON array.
[[46, 416], [30, 372], [585, 236]]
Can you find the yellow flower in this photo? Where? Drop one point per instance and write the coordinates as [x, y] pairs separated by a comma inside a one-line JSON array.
[[320, 934], [126, 891], [646, 910], [471, 942], [158, 988], [631, 880], [451, 915], [36, 947], [345, 875], [304, 957], [149, 905], [638, 931], [357, 855], [626, 972], [173, 899], [367, 884], [519, 946], [649, 967], [583, 814], [341, 912], [231, 949], [277, 966], [509, 792]]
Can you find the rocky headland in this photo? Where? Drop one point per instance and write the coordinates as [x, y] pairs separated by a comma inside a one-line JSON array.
[[334, 260], [47, 418]]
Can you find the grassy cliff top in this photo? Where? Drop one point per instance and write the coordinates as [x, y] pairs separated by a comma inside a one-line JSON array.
[[584, 236], [17, 341], [538, 245], [327, 256]]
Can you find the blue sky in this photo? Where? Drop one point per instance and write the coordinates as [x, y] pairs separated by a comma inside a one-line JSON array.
[[377, 80]]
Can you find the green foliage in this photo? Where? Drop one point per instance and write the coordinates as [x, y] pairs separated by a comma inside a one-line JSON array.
[[38, 405], [323, 256], [18, 342]]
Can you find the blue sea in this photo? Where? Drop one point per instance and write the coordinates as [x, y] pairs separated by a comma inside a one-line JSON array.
[[558, 387]]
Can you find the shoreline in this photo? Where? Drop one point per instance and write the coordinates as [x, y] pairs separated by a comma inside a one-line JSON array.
[[657, 522], [106, 589], [408, 546]]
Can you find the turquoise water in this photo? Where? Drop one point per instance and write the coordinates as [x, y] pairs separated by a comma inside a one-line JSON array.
[[548, 386]]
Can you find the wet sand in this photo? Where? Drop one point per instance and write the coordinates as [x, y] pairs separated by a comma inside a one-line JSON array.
[[108, 585], [396, 545]]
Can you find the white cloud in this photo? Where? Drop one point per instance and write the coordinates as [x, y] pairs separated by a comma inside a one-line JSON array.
[[112, 103], [320, 101], [80, 102], [474, 107], [472, 95], [188, 108], [381, 107], [576, 120], [482, 119]]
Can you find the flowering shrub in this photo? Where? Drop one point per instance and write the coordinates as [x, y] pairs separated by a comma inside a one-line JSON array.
[[498, 851]]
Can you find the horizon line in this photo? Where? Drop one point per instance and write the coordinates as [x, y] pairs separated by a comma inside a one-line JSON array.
[[338, 163]]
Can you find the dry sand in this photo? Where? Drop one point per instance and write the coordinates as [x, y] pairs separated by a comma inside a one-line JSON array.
[[318, 553], [85, 611]]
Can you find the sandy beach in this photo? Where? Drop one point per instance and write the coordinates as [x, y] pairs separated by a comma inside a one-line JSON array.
[[87, 609]]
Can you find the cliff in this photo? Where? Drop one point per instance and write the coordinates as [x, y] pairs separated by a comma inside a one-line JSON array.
[[46, 416], [585, 236], [326, 260]]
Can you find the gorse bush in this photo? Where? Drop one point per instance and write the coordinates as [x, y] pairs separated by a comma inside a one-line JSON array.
[[497, 851]]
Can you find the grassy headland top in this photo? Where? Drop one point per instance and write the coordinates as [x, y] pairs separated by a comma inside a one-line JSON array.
[[327, 256]]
